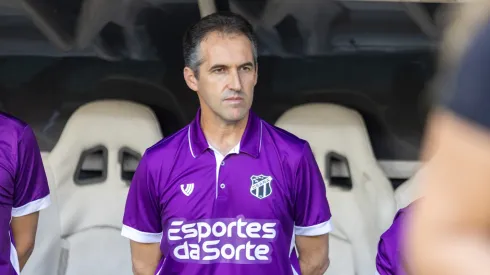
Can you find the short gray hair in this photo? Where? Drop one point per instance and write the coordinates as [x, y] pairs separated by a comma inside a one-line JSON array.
[[226, 23]]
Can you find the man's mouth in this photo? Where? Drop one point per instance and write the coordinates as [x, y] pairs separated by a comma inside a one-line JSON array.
[[234, 99]]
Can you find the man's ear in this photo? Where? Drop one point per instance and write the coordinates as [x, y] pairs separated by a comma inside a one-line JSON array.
[[256, 73], [190, 79]]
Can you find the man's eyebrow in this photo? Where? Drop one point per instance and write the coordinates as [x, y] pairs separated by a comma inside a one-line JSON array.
[[218, 66], [246, 64]]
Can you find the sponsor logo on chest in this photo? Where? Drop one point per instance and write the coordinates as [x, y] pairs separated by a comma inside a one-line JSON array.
[[237, 240]]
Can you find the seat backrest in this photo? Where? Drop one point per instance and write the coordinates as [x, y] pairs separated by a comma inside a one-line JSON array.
[[361, 214], [47, 250], [92, 199], [409, 191]]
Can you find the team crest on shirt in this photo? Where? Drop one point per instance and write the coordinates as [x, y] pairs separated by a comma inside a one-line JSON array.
[[261, 186]]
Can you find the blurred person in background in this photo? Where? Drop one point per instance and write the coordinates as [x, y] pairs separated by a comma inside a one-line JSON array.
[[448, 233]]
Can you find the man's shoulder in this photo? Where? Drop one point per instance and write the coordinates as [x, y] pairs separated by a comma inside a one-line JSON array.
[[286, 143], [12, 124], [393, 233], [168, 146], [285, 140], [13, 131]]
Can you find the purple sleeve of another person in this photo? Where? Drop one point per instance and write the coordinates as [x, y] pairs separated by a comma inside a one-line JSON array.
[[31, 190], [312, 212], [388, 259]]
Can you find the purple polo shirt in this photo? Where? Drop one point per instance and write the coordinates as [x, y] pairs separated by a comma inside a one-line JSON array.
[[234, 214], [388, 259], [23, 185]]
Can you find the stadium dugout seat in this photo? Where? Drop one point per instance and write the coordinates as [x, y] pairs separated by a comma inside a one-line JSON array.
[[46, 256], [408, 191], [92, 164], [362, 203]]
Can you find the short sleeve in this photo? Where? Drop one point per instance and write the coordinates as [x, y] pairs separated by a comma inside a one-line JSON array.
[[311, 210], [383, 262], [388, 258], [142, 220], [31, 190], [468, 87]]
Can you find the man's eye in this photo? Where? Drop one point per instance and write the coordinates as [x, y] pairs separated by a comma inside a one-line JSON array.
[[247, 68], [218, 70]]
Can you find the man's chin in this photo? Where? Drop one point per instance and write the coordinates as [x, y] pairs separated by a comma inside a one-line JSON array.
[[236, 116]]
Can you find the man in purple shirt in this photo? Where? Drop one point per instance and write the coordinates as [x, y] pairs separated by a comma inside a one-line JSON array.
[[24, 191], [229, 193]]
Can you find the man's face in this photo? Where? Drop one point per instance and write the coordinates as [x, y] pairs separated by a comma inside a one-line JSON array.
[[227, 76]]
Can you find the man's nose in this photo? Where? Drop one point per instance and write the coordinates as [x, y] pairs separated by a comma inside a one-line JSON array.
[[235, 83]]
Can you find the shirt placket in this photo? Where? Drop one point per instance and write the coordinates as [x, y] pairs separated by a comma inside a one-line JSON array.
[[221, 192], [221, 185]]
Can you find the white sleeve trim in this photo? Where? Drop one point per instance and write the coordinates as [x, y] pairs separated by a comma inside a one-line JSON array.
[[31, 207], [140, 236], [314, 230]]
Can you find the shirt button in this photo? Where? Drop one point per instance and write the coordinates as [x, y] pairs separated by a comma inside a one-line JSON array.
[[222, 186], [223, 163]]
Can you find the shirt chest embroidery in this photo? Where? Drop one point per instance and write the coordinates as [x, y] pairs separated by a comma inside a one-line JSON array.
[[261, 186]]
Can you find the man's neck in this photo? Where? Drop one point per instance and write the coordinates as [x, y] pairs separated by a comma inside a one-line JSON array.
[[221, 135]]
